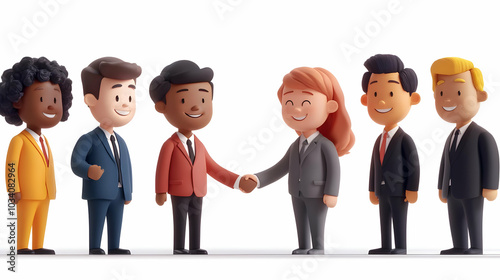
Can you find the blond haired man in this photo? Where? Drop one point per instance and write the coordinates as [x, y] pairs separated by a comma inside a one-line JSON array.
[[469, 166]]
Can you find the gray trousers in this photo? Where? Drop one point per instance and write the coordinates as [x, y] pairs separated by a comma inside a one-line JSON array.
[[310, 217]]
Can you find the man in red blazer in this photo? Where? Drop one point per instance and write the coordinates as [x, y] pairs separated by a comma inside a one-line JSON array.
[[183, 93]]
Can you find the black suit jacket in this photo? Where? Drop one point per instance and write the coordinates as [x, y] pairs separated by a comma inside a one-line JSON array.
[[474, 166], [400, 170]]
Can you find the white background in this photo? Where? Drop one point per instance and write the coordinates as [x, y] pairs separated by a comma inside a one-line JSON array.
[[251, 45]]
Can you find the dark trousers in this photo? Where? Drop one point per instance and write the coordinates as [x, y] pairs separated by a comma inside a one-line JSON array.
[[466, 214], [393, 210], [112, 211], [181, 208], [310, 217]]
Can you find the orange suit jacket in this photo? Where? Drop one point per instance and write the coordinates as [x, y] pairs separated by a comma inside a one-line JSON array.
[[176, 175], [33, 178]]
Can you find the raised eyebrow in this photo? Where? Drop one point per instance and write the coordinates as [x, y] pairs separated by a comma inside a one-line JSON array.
[[131, 86], [183, 89], [305, 91], [393, 81], [117, 86], [459, 80], [202, 89], [440, 82], [372, 82], [288, 92]]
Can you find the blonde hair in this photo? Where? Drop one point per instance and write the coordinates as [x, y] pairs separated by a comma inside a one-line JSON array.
[[337, 127], [453, 66]]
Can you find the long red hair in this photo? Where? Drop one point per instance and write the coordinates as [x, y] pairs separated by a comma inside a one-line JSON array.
[[337, 127]]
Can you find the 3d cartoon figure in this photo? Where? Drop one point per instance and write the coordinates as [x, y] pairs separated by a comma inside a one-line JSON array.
[[101, 157], [35, 91], [313, 105], [183, 93], [394, 170], [469, 165]]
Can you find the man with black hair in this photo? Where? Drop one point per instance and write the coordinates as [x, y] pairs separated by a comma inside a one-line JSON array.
[[35, 91], [394, 170], [183, 93], [101, 157]]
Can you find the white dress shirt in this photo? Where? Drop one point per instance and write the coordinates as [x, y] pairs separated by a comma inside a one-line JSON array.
[[37, 139], [184, 139], [108, 136], [390, 134]]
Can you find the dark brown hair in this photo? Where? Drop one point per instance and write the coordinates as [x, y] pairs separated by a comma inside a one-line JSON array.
[[107, 67]]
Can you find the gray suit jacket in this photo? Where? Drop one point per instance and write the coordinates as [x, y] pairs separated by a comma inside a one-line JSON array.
[[316, 175]]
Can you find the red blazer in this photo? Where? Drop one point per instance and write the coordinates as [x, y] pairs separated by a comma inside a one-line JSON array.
[[176, 175]]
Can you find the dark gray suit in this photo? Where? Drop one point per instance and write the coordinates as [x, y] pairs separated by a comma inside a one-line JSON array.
[[474, 167], [317, 174], [399, 172]]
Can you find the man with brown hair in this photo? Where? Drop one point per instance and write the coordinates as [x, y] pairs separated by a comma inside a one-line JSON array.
[[101, 157]]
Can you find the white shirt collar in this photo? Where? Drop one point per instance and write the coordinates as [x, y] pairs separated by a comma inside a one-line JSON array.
[[391, 132], [310, 138], [463, 128], [108, 135], [182, 137], [36, 136]]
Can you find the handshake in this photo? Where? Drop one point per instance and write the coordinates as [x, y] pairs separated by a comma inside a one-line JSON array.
[[248, 183]]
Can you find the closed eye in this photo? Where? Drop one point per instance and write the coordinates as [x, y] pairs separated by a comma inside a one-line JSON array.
[[291, 102], [305, 102]]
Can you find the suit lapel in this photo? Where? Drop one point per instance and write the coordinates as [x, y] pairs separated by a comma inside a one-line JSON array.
[[390, 147], [180, 146], [102, 137], [376, 152], [35, 144], [464, 139], [309, 149]]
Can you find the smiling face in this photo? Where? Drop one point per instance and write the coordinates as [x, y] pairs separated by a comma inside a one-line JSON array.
[[116, 104], [188, 106], [388, 103], [457, 101], [304, 110], [41, 105]]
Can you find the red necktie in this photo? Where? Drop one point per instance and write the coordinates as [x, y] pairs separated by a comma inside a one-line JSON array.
[[44, 151], [382, 147]]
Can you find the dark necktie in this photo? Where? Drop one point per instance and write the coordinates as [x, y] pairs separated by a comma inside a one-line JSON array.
[[303, 149], [453, 148], [190, 150], [117, 159]]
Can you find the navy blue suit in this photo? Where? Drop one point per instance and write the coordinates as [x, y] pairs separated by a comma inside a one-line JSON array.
[[105, 199]]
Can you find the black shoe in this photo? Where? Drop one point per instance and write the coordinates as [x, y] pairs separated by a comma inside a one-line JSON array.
[[316, 252], [25, 251], [181, 252], [97, 251], [398, 251], [300, 251], [118, 251], [198, 252], [473, 251], [454, 251], [43, 251], [379, 251]]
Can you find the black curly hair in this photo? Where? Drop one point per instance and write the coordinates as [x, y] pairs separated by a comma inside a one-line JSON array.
[[22, 75]]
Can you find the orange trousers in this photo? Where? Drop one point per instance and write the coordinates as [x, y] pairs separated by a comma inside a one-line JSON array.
[[31, 214]]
